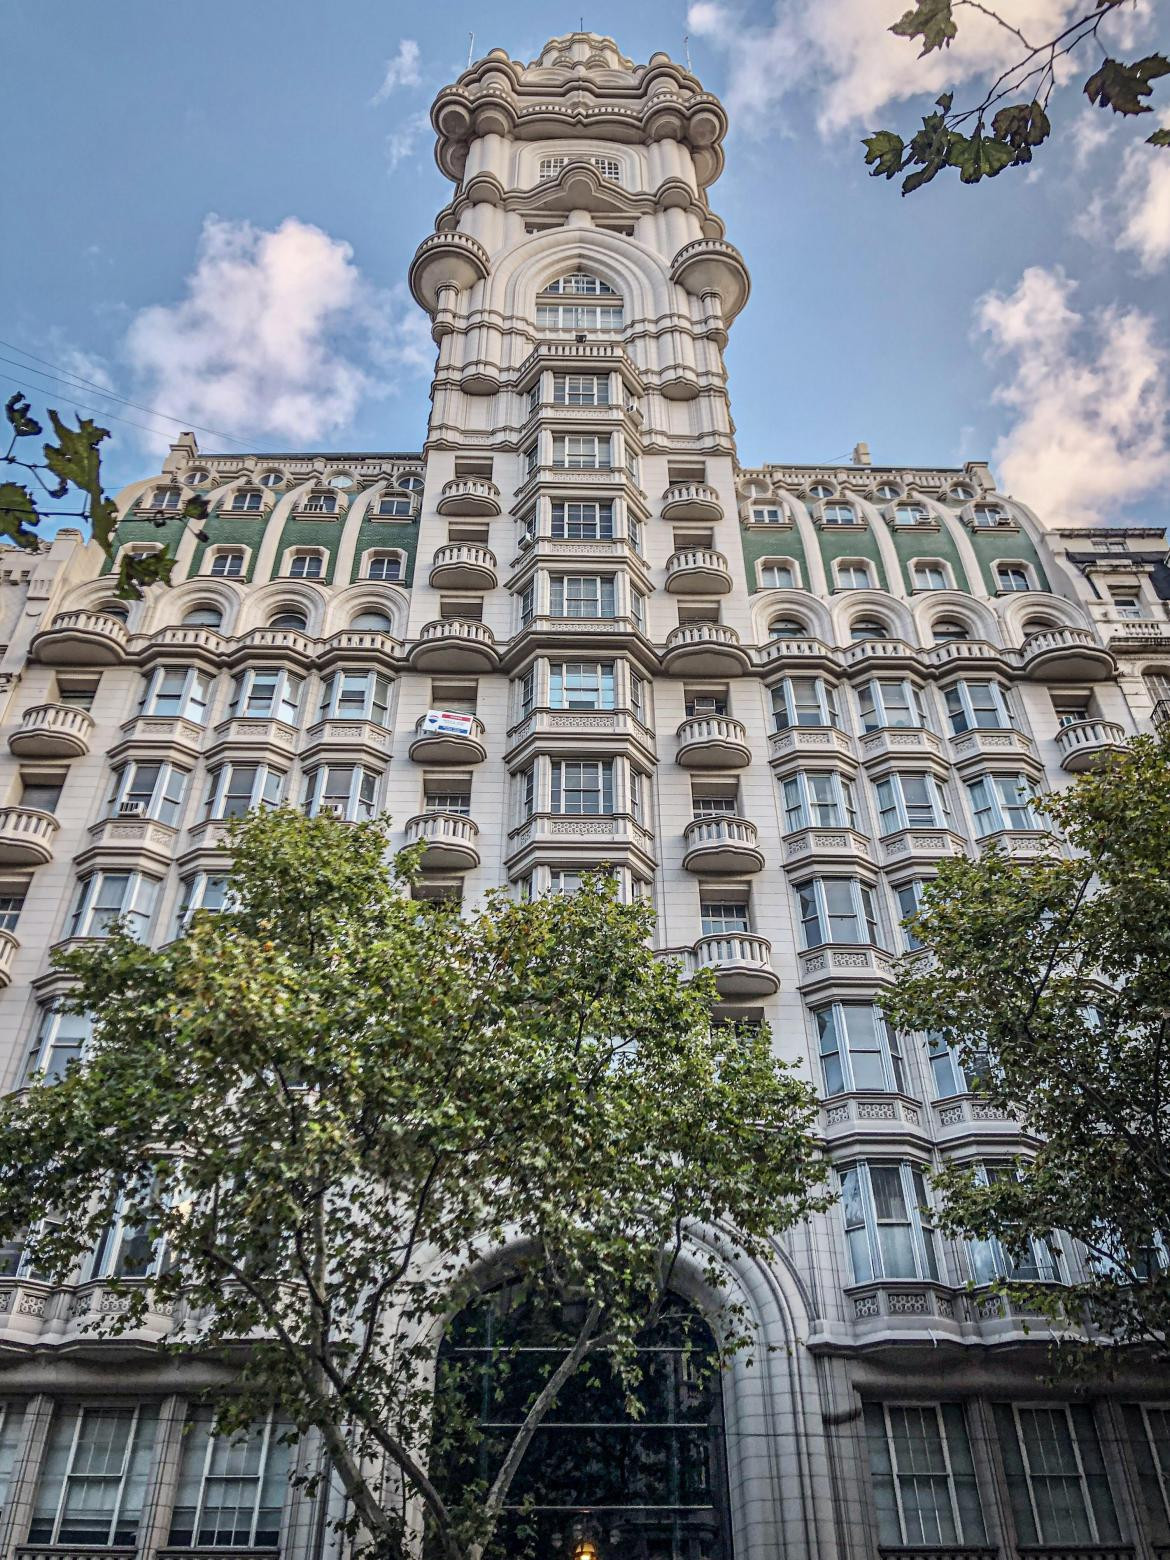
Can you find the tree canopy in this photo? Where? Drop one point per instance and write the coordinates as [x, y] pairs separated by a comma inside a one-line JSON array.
[[1051, 978], [334, 1113], [1004, 129]]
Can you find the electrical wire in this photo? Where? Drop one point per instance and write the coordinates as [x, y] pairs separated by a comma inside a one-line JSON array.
[[96, 411]]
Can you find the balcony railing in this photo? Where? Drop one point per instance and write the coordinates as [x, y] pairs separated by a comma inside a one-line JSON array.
[[1086, 744], [721, 843], [81, 639], [52, 731]]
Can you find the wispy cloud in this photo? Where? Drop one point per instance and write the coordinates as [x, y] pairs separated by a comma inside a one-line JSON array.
[[278, 333], [402, 143], [403, 70], [842, 51], [1090, 395], [1143, 203]]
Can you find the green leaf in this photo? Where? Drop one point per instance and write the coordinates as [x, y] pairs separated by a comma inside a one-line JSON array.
[[196, 508], [136, 573], [1121, 87], [930, 20], [945, 101], [886, 151], [74, 458], [1159, 138], [1022, 126], [978, 157], [915, 181], [18, 514], [16, 408]]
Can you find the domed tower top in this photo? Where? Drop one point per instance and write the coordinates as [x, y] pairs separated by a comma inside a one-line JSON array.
[[580, 87]]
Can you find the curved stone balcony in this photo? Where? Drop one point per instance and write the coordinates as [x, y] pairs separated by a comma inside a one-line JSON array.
[[697, 571], [26, 836], [52, 731], [8, 950], [721, 844], [1087, 744], [691, 501], [742, 963], [453, 645], [463, 566], [81, 639], [449, 841], [469, 496], [712, 265], [448, 747], [1066, 655], [446, 259], [712, 742], [704, 650]]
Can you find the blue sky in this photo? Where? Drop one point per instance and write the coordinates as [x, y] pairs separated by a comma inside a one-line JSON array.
[[217, 211]]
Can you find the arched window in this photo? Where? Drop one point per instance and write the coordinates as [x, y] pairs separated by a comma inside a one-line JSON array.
[[290, 619], [592, 305], [376, 621], [1013, 576], [778, 574], [1037, 625], [204, 615], [839, 514], [384, 566], [910, 514], [115, 609], [306, 564], [946, 630], [787, 628], [655, 1483], [931, 574], [862, 629]]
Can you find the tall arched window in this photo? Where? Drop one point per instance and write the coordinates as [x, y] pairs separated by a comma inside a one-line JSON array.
[[579, 301], [649, 1487]]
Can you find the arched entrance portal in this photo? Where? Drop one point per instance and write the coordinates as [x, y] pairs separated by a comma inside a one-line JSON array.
[[632, 1486]]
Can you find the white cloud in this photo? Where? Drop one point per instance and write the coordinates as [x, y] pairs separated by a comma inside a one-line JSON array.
[[401, 143], [279, 335], [1143, 202], [401, 71], [856, 68], [1090, 394]]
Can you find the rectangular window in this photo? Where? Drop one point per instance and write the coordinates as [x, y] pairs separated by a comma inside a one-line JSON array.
[[910, 801], [582, 451], [770, 514], [201, 892], [356, 696], [149, 791], [268, 692], [11, 904], [104, 897], [528, 792], [859, 1050], [178, 691], [1038, 1262], [247, 503], [889, 701], [385, 566], [977, 704], [813, 800], [582, 522], [580, 788], [11, 1423], [777, 576], [724, 917], [581, 389], [527, 604], [231, 1489], [1149, 1436], [579, 316], [93, 1479], [581, 685], [638, 609], [393, 509], [61, 1041], [888, 1225], [803, 701], [582, 595], [1001, 802], [909, 897], [227, 565], [346, 790], [234, 789], [924, 1484], [947, 1070], [1056, 1478], [305, 566], [838, 910]]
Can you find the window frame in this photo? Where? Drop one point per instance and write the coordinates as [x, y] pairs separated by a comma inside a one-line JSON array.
[[864, 913], [194, 699], [137, 904], [1000, 810], [801, 804], [832, 1021], [922, 1236], [876, 718], [890, 795], [825, 695], [267, 789]]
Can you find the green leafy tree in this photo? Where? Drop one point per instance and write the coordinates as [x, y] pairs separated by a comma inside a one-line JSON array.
[[1004, 129], [75, 464], [1052, 980], [332, 1106]]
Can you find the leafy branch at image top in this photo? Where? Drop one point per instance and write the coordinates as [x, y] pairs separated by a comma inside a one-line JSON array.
[[981, 141]]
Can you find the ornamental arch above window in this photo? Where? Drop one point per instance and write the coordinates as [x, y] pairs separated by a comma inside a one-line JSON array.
[[579, 301]]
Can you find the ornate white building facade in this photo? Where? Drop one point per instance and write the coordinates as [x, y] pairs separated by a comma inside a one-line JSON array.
[[771, 700]]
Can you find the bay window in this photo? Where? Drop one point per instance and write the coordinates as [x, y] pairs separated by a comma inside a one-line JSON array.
[[202, 891], [978, 705], [149, 791], [234, 789], [858, 1049], [948, 1072], [1037, 1262], [61, 1041], [837, 910], [924, 1484], [582, 522], [803, 701], [125, 1249], [231, 1488], [816, 800], [580, 788], [582, 451], [888, 1225], [1001, 802], [1056, 1478], [583, 595], [178, 691], [581, 685], [909, 897], [889, 701], [580, 389], [105, 897], [94, 1476], [911, 801], [348, 791], [267, 692], [356, 695]]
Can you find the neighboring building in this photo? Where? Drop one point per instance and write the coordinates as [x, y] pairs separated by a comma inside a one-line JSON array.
[[771, 700]]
